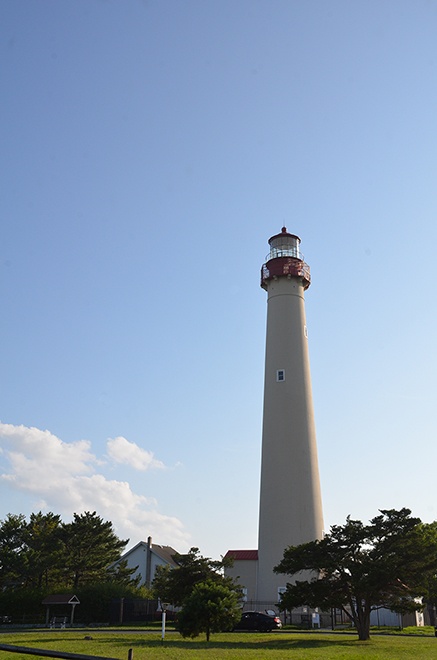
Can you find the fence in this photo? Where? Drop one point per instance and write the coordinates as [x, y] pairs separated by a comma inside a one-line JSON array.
[[55, 654], [302, 618]]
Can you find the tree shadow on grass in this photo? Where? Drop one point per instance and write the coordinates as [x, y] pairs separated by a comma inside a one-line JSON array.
[[280, 644]]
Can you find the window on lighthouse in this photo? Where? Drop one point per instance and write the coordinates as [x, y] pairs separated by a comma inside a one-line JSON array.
[[280, 375]]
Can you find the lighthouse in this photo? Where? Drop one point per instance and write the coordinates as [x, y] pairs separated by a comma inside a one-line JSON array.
[[290, 510]]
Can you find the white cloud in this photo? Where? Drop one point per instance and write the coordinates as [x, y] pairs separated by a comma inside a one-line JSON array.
[[62, 477], [128, 453]]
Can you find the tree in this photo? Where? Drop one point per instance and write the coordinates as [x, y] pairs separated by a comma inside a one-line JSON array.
[[211, 607], [431, 599], [120, 573], [12, 548], [47, 554], [90, 549], [359, 568], [174, 585], [43, 550]]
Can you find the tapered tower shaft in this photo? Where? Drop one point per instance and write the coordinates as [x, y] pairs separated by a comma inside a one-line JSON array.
[[290, 497]]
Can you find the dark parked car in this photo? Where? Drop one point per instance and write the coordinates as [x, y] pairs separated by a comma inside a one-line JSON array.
[[258, 621]]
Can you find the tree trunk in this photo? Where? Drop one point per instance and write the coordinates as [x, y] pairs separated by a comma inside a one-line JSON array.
[[363, 625], [363, 632]]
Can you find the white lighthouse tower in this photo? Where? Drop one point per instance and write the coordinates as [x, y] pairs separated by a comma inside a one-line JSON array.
[[290, 498]]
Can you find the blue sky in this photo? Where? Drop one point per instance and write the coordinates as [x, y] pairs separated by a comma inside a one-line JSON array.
[[149, 149]]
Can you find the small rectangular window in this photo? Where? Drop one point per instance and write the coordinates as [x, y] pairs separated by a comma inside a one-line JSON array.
[[280, 375]]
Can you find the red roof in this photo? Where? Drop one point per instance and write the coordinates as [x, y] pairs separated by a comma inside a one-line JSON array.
[[242, 555]]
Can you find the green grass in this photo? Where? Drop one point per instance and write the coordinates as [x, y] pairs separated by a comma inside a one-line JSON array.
[[238, 646]]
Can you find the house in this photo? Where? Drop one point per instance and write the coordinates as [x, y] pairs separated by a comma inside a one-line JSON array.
[[244, 571], [147, 557], [385, 617]]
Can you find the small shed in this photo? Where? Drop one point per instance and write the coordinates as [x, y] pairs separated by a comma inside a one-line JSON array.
[[60, 601]]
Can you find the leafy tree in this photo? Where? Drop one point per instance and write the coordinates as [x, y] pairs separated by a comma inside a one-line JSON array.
[[12, 547], [359, 568], [211, 607], [174, 585], [431, 599], [48, 554], [43, 552], [90, 548]]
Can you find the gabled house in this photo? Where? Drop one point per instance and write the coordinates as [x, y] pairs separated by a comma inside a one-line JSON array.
[[147, 557]]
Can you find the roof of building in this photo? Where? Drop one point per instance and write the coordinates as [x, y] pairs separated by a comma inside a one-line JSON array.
[[61, 599], [164, 552], [242, 555]]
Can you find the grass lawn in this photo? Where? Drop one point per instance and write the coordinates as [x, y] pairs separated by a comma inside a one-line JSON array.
[[241, 646]]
